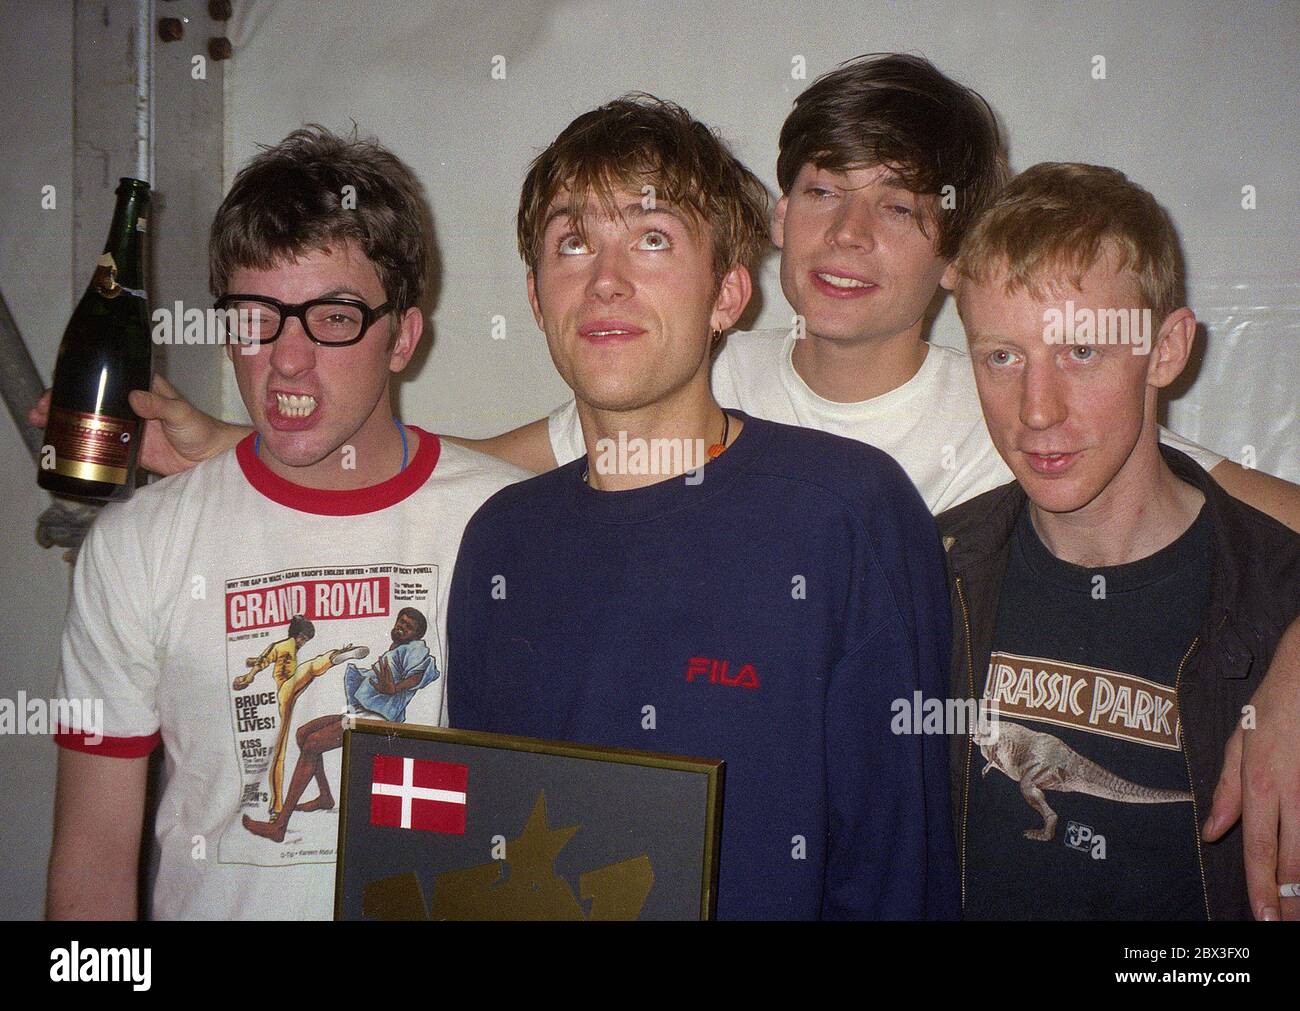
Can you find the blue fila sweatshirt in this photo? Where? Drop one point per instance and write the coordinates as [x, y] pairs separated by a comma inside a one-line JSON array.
[[771, 615]]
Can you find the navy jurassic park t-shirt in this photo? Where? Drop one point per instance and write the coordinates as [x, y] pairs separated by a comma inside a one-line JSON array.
[[1080, 804]]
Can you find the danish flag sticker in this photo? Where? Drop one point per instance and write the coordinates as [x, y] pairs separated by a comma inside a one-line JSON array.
[[418, 794]]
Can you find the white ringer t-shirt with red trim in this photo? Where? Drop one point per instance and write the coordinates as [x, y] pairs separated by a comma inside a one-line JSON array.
[[191, 586]]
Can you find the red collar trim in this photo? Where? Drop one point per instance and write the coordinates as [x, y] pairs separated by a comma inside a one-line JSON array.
[[355, 502]]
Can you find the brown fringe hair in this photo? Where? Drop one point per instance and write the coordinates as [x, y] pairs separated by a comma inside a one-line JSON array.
[[289, 199], [640, 140]]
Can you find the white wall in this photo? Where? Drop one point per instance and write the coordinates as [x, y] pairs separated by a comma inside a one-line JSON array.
[[1198, 101], [36, 277]]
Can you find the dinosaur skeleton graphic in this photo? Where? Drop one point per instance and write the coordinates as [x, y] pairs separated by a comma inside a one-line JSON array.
[[1039, 762]]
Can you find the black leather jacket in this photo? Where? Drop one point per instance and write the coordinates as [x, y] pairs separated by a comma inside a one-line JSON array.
[[1254, 596]]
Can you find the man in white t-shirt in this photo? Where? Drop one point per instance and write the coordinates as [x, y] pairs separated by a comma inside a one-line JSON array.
[[333, 523]]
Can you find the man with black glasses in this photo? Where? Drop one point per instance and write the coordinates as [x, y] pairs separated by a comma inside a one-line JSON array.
[[332, 517]]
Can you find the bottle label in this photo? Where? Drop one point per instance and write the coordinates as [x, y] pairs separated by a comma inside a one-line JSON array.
[[93, 447], [105, 279]]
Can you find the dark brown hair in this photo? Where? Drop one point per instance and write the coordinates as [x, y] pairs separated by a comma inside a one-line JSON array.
[[294, 197], [640, 140], [898, 110]]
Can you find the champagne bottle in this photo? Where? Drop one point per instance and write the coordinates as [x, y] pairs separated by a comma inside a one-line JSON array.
[[92, 440]]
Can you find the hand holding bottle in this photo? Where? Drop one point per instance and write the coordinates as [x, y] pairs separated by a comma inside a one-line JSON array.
[[177, 435]]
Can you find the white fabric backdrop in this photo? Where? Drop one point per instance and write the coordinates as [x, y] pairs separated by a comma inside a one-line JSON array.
[[1199, 101]]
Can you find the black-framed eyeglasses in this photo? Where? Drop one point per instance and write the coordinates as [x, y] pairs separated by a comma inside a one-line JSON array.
[[331, 322]]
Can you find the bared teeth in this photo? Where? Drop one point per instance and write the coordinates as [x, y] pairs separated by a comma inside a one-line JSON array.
[[293, 405], [842, 282]]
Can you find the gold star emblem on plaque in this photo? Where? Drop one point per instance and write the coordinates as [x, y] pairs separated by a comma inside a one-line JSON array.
[[523, 886]]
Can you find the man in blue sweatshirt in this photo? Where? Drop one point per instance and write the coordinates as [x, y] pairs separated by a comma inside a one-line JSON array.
[[704, 582]]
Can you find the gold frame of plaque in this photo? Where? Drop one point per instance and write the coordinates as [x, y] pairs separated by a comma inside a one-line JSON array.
[[406, 899]]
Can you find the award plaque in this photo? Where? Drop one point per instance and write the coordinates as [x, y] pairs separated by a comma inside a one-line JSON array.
[[439, 824]]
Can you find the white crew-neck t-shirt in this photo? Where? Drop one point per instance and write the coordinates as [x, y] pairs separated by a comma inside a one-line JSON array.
[[932, 424], [185, 588]]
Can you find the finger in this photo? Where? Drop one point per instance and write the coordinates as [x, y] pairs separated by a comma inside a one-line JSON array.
[[162, 387], [1288, 859], [1225, 809], [39, 415], [177, 414], [153, 402], [171, 414], [152, 407], [1259, 839]]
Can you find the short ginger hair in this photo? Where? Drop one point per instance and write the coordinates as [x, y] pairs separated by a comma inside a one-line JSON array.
[[1056, 220]]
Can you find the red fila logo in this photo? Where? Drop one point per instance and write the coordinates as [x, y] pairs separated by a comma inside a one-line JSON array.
[[715, 671]]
